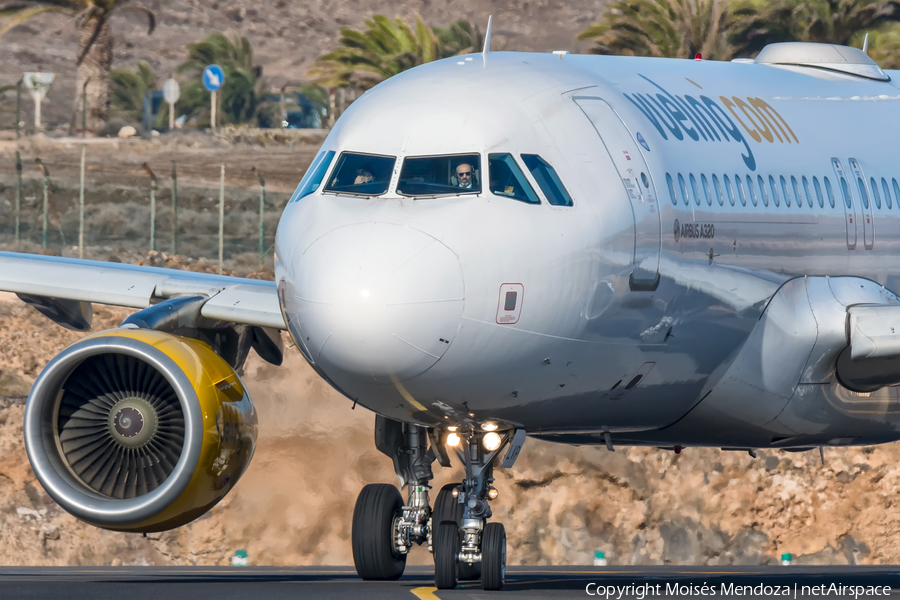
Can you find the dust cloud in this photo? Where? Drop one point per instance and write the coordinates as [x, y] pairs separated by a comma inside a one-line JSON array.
[[560, 504]]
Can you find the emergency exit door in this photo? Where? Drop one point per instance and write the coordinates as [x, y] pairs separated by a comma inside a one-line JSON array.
[[846, 197], [635, 177]]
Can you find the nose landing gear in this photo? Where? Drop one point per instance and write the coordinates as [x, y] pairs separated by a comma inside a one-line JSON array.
[[464, 545]]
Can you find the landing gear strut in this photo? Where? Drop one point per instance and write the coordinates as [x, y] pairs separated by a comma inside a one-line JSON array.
[[464, 544], [471, 547], [384, 528]]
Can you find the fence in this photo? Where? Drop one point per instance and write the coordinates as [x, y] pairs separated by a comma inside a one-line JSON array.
[[232, 226]]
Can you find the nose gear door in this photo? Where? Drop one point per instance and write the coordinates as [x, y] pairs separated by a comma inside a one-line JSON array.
[[638, 184]]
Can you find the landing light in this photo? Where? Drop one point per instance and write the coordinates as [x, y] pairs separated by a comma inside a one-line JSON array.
[[489, 426], [491, 441], [452, 428], [493, 493], [453, 440]]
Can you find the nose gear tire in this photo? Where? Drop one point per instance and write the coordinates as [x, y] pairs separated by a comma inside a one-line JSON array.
[[493, 557], [446, 549], [374, 555], [447, 508]]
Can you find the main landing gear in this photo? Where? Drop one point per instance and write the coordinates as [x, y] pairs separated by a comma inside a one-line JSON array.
[[456, 531]]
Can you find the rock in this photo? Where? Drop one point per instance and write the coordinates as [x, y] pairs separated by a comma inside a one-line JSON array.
[[127, 132]]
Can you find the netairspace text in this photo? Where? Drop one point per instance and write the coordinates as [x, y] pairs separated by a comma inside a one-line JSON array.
[[659, 590]]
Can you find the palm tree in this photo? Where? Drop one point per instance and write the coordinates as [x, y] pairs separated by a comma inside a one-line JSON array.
[[243, 90], [384, 49], [388, 47], [129, 88], [95, 42], [460, 38], [662, 28], [755, 23]]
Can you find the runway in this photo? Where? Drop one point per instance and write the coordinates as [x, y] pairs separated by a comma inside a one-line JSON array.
[[195, 583]]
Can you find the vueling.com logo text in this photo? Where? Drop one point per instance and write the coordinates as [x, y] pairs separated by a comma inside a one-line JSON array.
[[686, 116]]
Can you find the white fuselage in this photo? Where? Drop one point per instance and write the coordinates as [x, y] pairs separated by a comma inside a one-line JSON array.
[[630, 305]]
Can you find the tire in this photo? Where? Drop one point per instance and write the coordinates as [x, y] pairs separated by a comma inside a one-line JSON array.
[[446, 549], [493, 557], [446, 508], [373, 523]]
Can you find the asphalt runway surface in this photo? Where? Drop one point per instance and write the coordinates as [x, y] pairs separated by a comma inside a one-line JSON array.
[[195, 583]]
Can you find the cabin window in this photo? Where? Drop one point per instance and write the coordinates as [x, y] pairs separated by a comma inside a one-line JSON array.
[[361, 174], [763, 193], [775, 198], [751, 190], [706, 193], [728, 190], [862, 191], [806, 190], [740, 190], [818, 189], [314, 175], [887, 192], [683, 187], [875, 195], [672, 195], [797, 195], [508, 180], [786, 191], [896, 192], [549, 181], [694, 190], [440, 175], [718, 190], [845, 190], [830, 192]]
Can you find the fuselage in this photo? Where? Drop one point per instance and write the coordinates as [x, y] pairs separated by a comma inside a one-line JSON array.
[[696, 190]]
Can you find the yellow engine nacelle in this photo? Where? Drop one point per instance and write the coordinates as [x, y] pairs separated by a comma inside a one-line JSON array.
[[138, 430]]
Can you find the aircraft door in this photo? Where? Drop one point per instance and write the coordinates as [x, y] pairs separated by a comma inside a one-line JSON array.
[[638, 184], [846, 198], [867, 200]]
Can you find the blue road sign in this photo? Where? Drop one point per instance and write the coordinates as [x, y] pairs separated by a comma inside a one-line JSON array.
[[213, 77]]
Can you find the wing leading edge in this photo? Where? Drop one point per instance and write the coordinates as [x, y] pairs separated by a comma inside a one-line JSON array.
[[232, 299]]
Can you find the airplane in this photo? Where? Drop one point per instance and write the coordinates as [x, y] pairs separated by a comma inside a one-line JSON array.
[[582, 249]]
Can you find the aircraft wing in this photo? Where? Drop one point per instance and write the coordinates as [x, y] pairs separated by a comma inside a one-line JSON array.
[[233, 299]]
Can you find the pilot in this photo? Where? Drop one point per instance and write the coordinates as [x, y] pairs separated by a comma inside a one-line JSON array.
[[363, 176], [465, 177]]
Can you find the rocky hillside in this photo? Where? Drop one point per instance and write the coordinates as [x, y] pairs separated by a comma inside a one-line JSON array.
[[559, 504], [287, 35]]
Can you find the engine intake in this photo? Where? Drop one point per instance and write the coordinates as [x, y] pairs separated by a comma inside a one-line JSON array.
[[139, 430]]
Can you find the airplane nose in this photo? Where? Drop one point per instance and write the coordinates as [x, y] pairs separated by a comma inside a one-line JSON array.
[[377, 301]]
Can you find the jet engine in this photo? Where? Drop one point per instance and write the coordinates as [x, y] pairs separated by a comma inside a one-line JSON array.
[[139, 430]]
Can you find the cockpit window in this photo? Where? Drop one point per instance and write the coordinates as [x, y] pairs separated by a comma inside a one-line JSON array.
[[361, 174], [314, 175], [547, 180], [440, 175], [508, 180]]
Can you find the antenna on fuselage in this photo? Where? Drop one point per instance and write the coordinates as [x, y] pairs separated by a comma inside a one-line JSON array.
[[487, 37], [865, 44]]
